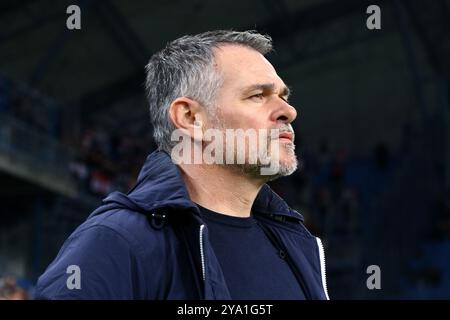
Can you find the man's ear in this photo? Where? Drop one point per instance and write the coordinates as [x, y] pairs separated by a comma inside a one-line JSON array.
[[186, 115]]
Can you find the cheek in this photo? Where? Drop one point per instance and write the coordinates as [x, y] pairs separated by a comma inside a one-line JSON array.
[[239, 114], [245, 120]]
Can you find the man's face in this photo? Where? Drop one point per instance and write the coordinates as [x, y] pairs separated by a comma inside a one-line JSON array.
[[254, 97]]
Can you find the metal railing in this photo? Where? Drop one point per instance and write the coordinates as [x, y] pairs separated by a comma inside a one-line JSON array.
[[36, 150]]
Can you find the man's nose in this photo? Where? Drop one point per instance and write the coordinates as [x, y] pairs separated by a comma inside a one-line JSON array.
[[285, 112]]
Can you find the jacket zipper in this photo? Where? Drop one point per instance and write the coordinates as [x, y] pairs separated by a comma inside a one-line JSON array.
[[280, 248], [202, 253], [323, 271]]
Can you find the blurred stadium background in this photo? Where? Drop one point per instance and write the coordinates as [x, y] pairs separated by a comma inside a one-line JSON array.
[[373, 127]]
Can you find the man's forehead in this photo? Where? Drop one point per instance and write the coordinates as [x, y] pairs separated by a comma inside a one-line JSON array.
[[244, 66]]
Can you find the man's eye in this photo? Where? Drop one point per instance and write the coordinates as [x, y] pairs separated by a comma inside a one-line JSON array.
[[258, 96]]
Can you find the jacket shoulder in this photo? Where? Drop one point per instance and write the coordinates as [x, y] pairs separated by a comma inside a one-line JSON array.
[[105, 258]]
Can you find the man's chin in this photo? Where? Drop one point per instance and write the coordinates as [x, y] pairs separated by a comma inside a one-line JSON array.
[[286, 168], [288, 162], [259, 171]]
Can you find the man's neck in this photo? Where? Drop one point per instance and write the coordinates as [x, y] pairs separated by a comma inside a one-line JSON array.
[[220, 189]]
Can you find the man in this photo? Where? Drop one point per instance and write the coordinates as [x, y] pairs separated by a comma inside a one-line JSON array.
[[200, 229], [10, 289]]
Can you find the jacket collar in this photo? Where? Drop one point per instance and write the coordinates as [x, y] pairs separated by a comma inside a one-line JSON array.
[[160, 184]]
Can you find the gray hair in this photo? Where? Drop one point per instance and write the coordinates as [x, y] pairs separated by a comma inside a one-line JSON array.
[[185, 68]]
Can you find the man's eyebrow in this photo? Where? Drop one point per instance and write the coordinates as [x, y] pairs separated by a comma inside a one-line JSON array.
[[285, 91]]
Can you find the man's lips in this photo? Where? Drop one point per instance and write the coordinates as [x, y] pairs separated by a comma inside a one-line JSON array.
[[287, 135]]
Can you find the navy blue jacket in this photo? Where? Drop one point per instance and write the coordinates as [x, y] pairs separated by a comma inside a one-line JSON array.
[[152, 244]]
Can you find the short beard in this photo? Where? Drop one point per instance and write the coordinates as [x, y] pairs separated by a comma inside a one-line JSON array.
[[253, 170]]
